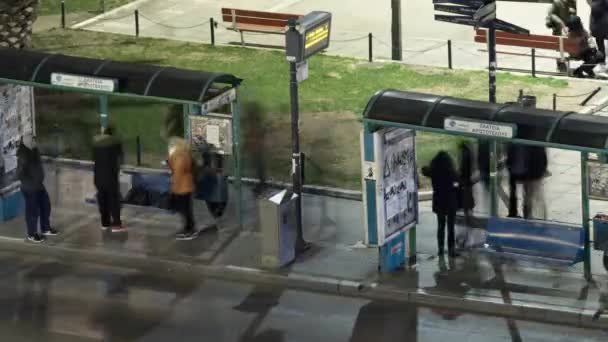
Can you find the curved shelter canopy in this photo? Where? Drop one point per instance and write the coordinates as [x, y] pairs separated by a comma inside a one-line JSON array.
[[536, 126], [32, 67]]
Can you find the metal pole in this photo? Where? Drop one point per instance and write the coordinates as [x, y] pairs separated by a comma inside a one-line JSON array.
[[585, 204], [554, 101], [492, 62], [533, 62], [136, 23], [370, 47], [103, 110], [62, 14], [296, 168], [212, 29], [236, 160], [397, 49], [138, 150], [450, 54]]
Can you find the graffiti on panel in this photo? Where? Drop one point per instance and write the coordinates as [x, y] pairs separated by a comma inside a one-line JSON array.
[[16, 121]]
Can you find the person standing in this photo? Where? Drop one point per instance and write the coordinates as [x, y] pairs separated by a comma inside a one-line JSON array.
[[466, 189], [107, 157], [558, 14], [445, 184], [599, 29], [182, 185], [37, 202]]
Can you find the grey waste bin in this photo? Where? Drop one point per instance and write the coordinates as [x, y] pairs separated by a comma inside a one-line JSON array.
[[278, 228]]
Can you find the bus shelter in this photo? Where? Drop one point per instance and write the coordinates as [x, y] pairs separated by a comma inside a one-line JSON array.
[[200, 93], [390, 114]]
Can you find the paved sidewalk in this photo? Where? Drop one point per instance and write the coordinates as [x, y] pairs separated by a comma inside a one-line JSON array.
[[335, 264]]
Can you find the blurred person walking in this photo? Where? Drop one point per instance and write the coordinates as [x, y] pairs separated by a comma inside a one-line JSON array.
[[255, 138], [444, 179], [182, 185], [37, 202], [107, 158]]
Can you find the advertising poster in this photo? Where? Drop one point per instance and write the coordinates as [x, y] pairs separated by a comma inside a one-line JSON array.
[[397, 181], [16, 120], [213, 132]]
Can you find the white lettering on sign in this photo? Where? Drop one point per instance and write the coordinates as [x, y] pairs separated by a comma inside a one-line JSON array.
[[84, 82], [484, 128]]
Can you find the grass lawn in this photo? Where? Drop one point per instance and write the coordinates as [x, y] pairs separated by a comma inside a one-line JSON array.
[[53, 7], [331, 100]]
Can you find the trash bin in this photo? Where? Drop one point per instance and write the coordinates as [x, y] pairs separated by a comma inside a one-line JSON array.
[[278, 227]]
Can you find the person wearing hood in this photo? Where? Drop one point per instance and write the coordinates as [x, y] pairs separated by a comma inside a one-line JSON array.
[[445, 182], [599, 28], [30, 173], [107, 157], [182, 185]]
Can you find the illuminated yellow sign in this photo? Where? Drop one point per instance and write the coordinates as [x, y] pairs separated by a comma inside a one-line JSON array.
[[316, 36]]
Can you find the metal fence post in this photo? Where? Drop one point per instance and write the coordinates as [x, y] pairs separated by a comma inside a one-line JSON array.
[[136, 23], [554, 101], [138, 150], [450, 54], [103, 6], [533, 62], [370, 38], [62, 14], [585, 212], [212, 29]]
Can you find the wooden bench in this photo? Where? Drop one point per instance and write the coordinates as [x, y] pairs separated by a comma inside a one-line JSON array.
[[560, 44], [255, 21]]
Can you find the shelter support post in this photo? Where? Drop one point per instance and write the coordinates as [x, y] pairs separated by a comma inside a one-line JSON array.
[[186, 110], [493, 180], [236, 162], [585, 212], [103, 110]]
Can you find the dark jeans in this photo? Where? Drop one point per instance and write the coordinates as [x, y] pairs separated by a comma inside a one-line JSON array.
[[108, 200], [37, 207], [442, 219], [601, 47], [216, 209], [183, 205]]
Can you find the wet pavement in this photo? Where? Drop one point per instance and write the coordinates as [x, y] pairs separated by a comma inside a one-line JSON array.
[[42, 299]]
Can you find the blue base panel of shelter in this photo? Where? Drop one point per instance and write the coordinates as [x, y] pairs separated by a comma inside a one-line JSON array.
[[536, 240], [11, 205], [392, 253]]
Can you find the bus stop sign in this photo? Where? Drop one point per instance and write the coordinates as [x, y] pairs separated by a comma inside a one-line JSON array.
[[310, 36]]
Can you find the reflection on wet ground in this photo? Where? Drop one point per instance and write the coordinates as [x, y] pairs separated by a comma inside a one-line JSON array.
[[46, 300]]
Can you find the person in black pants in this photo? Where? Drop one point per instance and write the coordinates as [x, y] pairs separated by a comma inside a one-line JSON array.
[[108, 156], [599, 28], [445, 198], [37, 203]]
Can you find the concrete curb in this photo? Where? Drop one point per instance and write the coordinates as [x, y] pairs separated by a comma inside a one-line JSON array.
[[488, 306], [132, 5]]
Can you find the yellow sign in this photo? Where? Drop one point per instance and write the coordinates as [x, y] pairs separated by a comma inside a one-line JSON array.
[[317, 36]]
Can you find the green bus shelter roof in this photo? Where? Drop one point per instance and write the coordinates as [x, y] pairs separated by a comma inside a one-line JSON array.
[[566, 130], [27, 66]]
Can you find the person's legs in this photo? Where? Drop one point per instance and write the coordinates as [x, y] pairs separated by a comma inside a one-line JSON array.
[[189, 213], [601, 47], [114, 206], [441, 220], [183, 205], [512, 196], [32, 212], [451, 217], [45, 211], [102, 203]]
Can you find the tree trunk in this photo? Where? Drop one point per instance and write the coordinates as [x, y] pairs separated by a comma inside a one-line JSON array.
[[16, 22]]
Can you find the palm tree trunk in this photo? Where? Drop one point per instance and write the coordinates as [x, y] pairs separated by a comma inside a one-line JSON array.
[[16, 22]]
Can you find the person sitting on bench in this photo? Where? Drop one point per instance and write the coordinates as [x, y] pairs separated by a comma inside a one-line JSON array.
[[587, 49]]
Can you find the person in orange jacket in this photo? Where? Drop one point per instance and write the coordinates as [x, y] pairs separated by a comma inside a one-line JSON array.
[[182, 185]]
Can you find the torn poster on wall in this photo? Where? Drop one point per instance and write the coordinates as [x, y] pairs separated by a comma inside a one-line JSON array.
[[16, 121]]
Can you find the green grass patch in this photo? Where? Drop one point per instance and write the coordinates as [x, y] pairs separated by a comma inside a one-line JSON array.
[[332, 99]]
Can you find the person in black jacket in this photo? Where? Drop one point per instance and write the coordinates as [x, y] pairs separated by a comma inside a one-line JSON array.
[[599, 28], [108, 156], [445, 197], [37, 202]]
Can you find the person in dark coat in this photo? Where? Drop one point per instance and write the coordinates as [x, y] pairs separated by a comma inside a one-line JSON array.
[[444, 179], [537, 162], [466, 181], [37, 202], [107, 157], [599, 28], [585, 51]]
